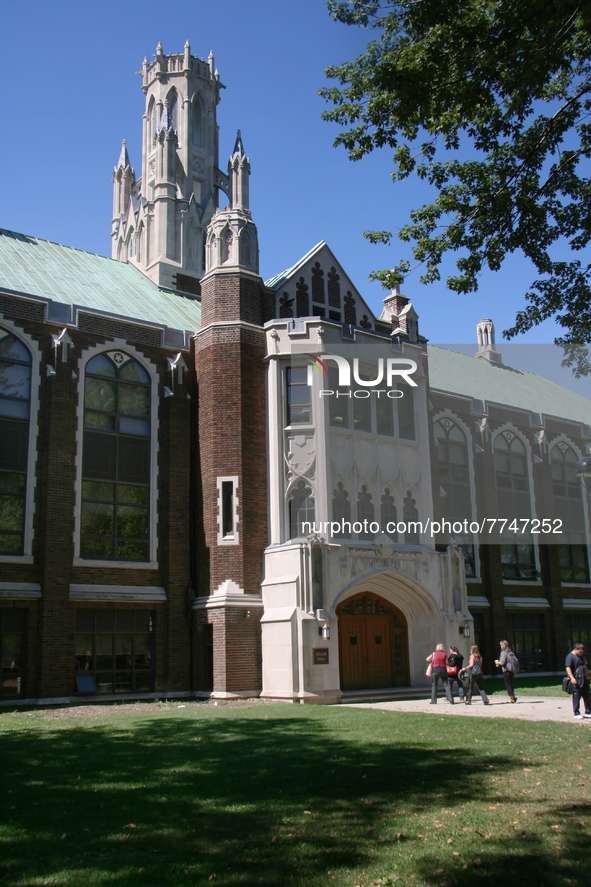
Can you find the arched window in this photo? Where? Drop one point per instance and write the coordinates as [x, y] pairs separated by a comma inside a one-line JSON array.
[[454, 479], [514, 503], [140, 237], [152, 125], [570, 509], [204, 252], [365, 512], [341, 512], [197, 124], [15, 398], [301, 511], [173, 109], [389, 515], [131, 243], [410, 516], [116, 459]]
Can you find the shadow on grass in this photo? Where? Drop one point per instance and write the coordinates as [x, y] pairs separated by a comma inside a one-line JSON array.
[[524, 859], [271, 799]]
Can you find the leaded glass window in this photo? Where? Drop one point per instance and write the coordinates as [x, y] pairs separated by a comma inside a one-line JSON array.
[[338, 401], [526, 633], [384, 415], [410, 515], [15, 397], [301, 511], [365, 513], [116, 459], [389, 515], [578, 631], [341, 512], [116, 648], [570, 509], [13, 626], [406, 412], [454, 479], [514, 503], [299, 407]]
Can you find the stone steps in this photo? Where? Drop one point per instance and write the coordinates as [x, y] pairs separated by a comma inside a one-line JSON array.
[[385, 694]]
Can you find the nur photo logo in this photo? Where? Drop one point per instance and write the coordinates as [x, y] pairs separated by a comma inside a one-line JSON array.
[[387, 371]]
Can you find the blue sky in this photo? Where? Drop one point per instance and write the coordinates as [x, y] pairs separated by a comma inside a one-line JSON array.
[[71, 95]]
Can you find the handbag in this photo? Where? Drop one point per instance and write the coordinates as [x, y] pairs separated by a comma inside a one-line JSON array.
[[567, 686], [452, 670], [429, 671]]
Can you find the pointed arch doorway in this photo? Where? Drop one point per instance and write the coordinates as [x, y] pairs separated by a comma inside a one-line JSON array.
[[373, 644]]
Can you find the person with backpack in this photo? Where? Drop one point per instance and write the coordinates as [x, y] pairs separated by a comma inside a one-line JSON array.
[[578, 672], [475, 667], [455, 661], [509, 663]]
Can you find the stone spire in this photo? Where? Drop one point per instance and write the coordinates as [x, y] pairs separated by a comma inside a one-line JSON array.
[[123, 162], [238, 173], [485, 331], [123, 181], [232, 239]]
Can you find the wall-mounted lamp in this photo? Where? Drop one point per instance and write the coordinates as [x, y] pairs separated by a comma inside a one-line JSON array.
[[466, 629], [247, 614], [583, 468], [325, 632]]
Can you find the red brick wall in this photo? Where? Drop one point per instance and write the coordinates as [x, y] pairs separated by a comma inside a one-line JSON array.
[[52, 619], [232, 442]]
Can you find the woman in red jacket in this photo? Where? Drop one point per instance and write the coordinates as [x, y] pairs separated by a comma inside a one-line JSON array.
[[439, 662]]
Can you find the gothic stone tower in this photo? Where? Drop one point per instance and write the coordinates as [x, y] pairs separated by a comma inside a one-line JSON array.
[[229, 355], [159, 220]]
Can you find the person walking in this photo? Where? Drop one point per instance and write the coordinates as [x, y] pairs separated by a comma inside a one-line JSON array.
[[475, 667], [455, 661], [510, 665], [438, 660], [578, 672]]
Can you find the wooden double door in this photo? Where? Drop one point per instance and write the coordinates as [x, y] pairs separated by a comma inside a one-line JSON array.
[[373, 644]]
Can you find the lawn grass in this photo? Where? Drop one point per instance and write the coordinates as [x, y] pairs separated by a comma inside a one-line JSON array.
[[528, 686], [292, 795]]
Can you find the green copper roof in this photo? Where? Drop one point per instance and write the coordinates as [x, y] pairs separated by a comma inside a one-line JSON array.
[[477, 378], [276, 281], [86, 280]]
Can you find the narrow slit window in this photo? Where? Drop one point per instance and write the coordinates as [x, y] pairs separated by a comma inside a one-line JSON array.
[[227, 509]]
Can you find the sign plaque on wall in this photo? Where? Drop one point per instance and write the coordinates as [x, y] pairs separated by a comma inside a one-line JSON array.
[[320, 655]]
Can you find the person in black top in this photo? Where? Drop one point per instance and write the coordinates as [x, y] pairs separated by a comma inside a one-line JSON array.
[[579, 675], [455, 660]]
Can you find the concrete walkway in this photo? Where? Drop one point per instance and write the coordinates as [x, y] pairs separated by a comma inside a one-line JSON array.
[[527, 708]]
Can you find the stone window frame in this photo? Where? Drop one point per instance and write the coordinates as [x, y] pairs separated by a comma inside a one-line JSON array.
[[234, 538], [28, 535], [150, 368]]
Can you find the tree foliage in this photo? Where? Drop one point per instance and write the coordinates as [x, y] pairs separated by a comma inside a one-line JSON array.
[[506, 84]]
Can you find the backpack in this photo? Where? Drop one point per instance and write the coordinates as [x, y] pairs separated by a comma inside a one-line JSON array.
[[477, 667], [512, 663]]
